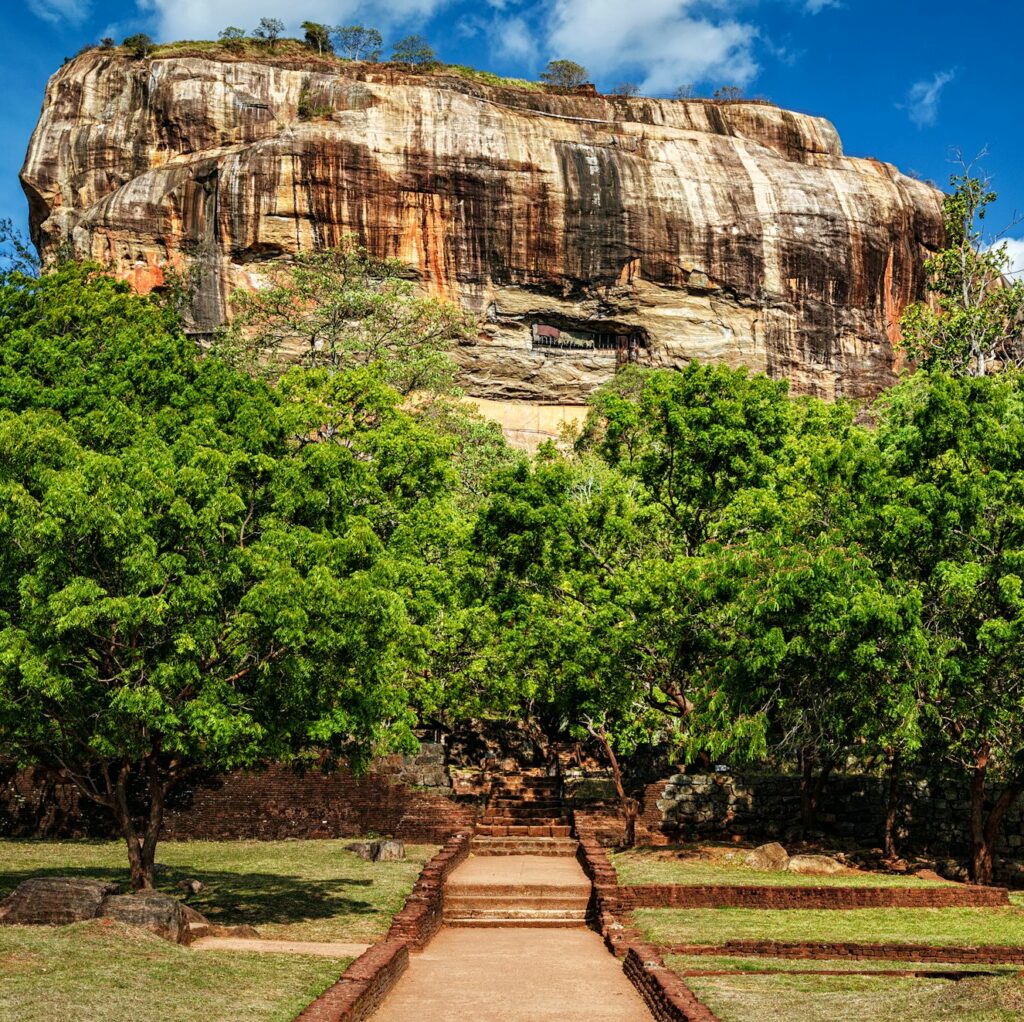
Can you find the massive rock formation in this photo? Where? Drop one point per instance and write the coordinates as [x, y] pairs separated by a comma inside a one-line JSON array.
[[581, 230]]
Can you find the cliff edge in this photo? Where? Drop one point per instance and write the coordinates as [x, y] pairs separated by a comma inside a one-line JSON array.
[[583, 231]]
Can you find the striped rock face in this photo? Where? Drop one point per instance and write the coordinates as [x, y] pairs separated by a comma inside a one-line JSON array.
[[582, 231]]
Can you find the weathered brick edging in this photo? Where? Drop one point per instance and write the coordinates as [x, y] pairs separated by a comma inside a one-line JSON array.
[[664, 992], [631, 897], [367, 981], [990, 954]]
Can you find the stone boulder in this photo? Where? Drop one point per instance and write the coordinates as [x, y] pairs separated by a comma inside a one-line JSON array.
[[157, 913], [377, 851], [55, 901], [771, 857], [364, 849], [821, 865]]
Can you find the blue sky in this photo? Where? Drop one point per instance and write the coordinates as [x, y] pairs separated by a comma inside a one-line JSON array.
[[903, 80]]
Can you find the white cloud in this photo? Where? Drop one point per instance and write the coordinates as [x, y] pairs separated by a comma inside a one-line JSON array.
[[1015, 254], [58, 12], [817, 6], [660, 43], [513, 40], [922, 103], [204, 19]]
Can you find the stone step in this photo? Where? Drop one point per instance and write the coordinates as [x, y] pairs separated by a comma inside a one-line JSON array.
[[524, 846], [516, 803], [578, 893], [525, 812], [498, 922], [501, 820], [535, 908], [524, 830]]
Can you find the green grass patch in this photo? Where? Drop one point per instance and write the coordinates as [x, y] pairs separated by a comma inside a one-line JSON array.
[[940, 926], [489, 78], [788, 998], [723, 864], [113, 973], [289, 890], [729, 963]]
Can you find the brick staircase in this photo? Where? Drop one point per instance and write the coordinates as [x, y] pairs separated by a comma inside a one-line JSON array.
[[525, 816], [522, 870]]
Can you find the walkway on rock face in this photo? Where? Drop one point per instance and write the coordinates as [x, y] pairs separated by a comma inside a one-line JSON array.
[[514, 975], [516, 950]]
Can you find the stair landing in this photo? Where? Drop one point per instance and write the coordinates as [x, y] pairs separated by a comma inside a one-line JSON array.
[[517, 890]]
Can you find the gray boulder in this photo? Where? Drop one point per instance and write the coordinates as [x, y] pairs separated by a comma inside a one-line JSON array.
[[55, 901], [377, 851], [815, 864], [771, 857], [157, 913], [364, 849]]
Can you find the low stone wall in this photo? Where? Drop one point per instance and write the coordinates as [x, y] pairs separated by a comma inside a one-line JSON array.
[[932, 820], [363, 986], [990, 954], [367, 981], [269, 804], [632, 897], [423, 913], [664, 992]]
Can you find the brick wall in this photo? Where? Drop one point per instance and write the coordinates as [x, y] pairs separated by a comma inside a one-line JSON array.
[[932, 821], [727, 896], [984, 954], [270, 804], [367, 981]]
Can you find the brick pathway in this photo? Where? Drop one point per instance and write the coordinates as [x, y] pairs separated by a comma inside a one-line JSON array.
[[515, 949], [514, 975]]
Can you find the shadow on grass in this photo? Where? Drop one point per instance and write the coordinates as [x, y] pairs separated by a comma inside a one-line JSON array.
[[234, 898]]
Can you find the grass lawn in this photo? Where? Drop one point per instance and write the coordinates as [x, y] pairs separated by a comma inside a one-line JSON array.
[[729, 963], [295, 890], [115, 973], [970, 926], [723, 864], [787, 998]]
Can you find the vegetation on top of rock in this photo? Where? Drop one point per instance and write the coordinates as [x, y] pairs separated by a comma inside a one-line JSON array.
[[974, 323], [415, 50], [564, 75]]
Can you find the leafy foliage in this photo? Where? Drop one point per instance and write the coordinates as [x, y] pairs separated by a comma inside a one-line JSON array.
[[415, 50], [356, 42], [341, 308], [975, 322], [564, 75], [198, 570]]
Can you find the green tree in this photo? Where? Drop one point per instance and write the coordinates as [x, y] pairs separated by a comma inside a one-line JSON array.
[[197, 570], [974, 324], [355, 42], [233, 39], [341, 308], [415, 50], [318, 37], [564, 75], [140, 45], [268, 31], [952, 527]]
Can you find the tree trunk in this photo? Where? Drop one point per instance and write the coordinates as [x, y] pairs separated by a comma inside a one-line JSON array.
[[811, 789], [892, 806], [630, 806], [985, 829]]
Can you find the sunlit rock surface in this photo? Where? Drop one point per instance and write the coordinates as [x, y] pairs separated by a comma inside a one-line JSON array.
[[582, 231]]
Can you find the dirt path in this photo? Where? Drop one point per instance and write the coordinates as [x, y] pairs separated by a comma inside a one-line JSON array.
[[289, 947], [514, 974]]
